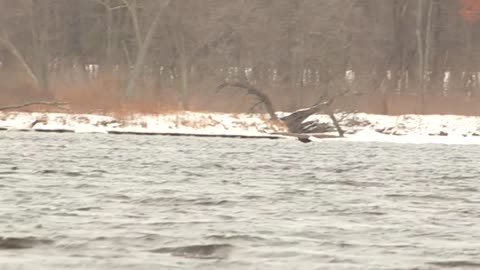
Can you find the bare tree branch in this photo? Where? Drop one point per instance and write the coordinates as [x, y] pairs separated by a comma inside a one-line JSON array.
[[14, 51], [46, 103], [133, 13], [255, 106], [295, 121], [251, 90], [143, 50], [340, 131]]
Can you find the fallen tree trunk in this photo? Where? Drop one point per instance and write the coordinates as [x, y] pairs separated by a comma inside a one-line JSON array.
[[295, 121]]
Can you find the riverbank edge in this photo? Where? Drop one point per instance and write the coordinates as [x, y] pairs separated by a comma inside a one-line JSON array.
[[357, 126]]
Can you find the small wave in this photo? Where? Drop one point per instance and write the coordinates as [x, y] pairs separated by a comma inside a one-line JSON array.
[[182, 222], [73, 174], [193, 174], [432, 197], [8, 172], [65, 214], [84, 185], [48, 172], [349, 169], [455, 264], [180, 201], [457, 177], [235, 237], [226, 217], [342, 260], [209, 251], [354, 183], [22, 242], [309, 175], [150, 237], [211, 202], [374, 213], [73, 246], [88, 208], [338, 170], [465, 189], [252, 197], [99, 171]]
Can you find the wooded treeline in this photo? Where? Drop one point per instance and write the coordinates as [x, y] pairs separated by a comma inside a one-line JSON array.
[[390, 55]]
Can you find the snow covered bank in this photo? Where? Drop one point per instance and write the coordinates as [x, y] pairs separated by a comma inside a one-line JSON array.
[[358, 127], [186, 123], [450, 129]]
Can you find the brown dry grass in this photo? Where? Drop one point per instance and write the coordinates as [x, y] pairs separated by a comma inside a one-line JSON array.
[[14, 89], [105, 95], [410, 104]]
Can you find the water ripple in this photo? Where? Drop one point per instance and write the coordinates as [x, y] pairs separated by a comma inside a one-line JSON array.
[[130, 202]]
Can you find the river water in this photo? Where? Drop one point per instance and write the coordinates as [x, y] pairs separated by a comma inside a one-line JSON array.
[[83, 201]]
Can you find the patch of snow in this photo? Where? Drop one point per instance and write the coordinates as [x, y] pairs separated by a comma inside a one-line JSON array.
[[185, 122]]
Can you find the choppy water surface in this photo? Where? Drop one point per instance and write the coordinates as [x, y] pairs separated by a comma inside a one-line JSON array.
[[129, 202]]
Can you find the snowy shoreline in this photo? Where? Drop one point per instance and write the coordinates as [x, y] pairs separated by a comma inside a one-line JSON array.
[[450, 129], [174, 124]]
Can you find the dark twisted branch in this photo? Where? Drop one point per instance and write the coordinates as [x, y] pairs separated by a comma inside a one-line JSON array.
[[251, 90], [336, 124], [295, 121]]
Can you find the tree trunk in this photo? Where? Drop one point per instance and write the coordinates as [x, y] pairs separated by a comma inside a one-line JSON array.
[[294, 50], [142, 53], [39, 22], [421, 57], [428, 47], [108, 51], [183, 66], [132, 8]]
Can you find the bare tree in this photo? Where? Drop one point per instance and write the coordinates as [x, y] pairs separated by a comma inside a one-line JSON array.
[[145, 44], [176, 52]]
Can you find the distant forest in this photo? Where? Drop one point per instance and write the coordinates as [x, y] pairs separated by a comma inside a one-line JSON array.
[[384, 56]]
